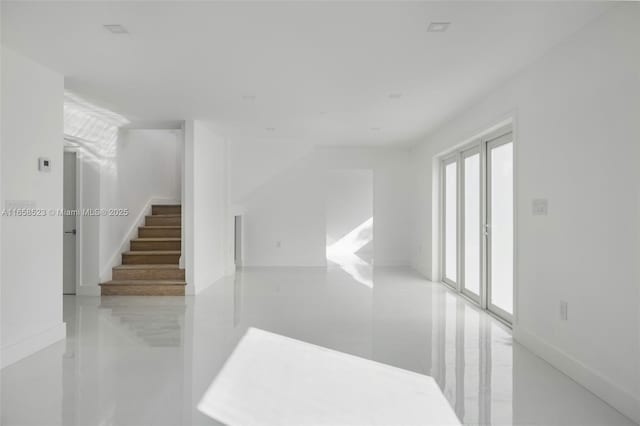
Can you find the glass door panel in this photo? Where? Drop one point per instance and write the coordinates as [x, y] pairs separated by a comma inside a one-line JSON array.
[[500, 226], [451, 222], [471, 221]]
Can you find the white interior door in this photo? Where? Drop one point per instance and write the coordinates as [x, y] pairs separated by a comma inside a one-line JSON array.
[[69, 224], [500, 260]]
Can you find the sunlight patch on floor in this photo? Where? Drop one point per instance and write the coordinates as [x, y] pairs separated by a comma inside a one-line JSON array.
[[271, 379]]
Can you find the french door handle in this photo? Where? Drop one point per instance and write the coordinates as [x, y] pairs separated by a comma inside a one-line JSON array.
[[70, 232]]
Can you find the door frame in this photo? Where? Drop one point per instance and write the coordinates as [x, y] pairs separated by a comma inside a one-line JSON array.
[[68, 147]]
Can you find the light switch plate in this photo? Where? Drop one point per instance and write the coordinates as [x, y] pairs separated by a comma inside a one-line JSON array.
[[44, 164], [540, 207]]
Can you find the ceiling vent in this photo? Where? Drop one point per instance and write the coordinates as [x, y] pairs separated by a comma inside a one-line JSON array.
[[116, 29], [438, 27]]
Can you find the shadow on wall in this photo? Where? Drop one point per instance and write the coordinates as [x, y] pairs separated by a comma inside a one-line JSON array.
[[94, 131]]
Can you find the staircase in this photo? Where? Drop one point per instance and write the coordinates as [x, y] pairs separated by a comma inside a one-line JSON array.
[[151, 267]]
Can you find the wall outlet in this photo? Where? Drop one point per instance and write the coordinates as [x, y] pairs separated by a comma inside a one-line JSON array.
[[564, 310], [540, 207]]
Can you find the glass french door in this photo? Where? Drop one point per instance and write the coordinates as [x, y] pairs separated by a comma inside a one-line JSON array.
[[500, 226], [471, 219], [478, 230]]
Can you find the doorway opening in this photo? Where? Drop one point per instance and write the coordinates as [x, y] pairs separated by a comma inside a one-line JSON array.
[[477, 212], [349, 222], [69, 221]]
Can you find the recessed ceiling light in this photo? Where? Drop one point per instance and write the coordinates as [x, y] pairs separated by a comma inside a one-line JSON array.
[[395, 95], [438, 27], [116, 29], [248, 97]]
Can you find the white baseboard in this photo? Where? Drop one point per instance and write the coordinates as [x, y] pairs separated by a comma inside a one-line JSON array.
[[22, 349], [620, 399], [193, 291], [88, 290]]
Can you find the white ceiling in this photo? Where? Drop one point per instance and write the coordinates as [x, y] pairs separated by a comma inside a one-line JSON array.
[[320, 72]]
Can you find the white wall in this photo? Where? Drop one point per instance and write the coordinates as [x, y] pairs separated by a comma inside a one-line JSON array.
[[289, 207], [142, 168], [577, 144], [256, 162], [31, 128], [208, 224], [284, 220]]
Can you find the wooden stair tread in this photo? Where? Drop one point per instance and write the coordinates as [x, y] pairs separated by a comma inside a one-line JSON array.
[[144, 282], [166, 205], [160, 231], [151, 253], [157, 239], [163, 220], [165, 215], [149, 266]]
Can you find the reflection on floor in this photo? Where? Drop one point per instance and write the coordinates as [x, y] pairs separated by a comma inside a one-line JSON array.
[[155, 320], [121, 367], [358, 269]]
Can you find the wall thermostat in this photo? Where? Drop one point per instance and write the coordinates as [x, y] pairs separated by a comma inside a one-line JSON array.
[[540, 207], [44, 164]]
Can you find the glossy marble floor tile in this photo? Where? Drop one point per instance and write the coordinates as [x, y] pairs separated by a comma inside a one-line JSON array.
[[148, 360]]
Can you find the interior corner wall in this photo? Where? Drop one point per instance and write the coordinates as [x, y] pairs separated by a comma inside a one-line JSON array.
[[208, 223], [32, 127], [576, 144], [284, 220]]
